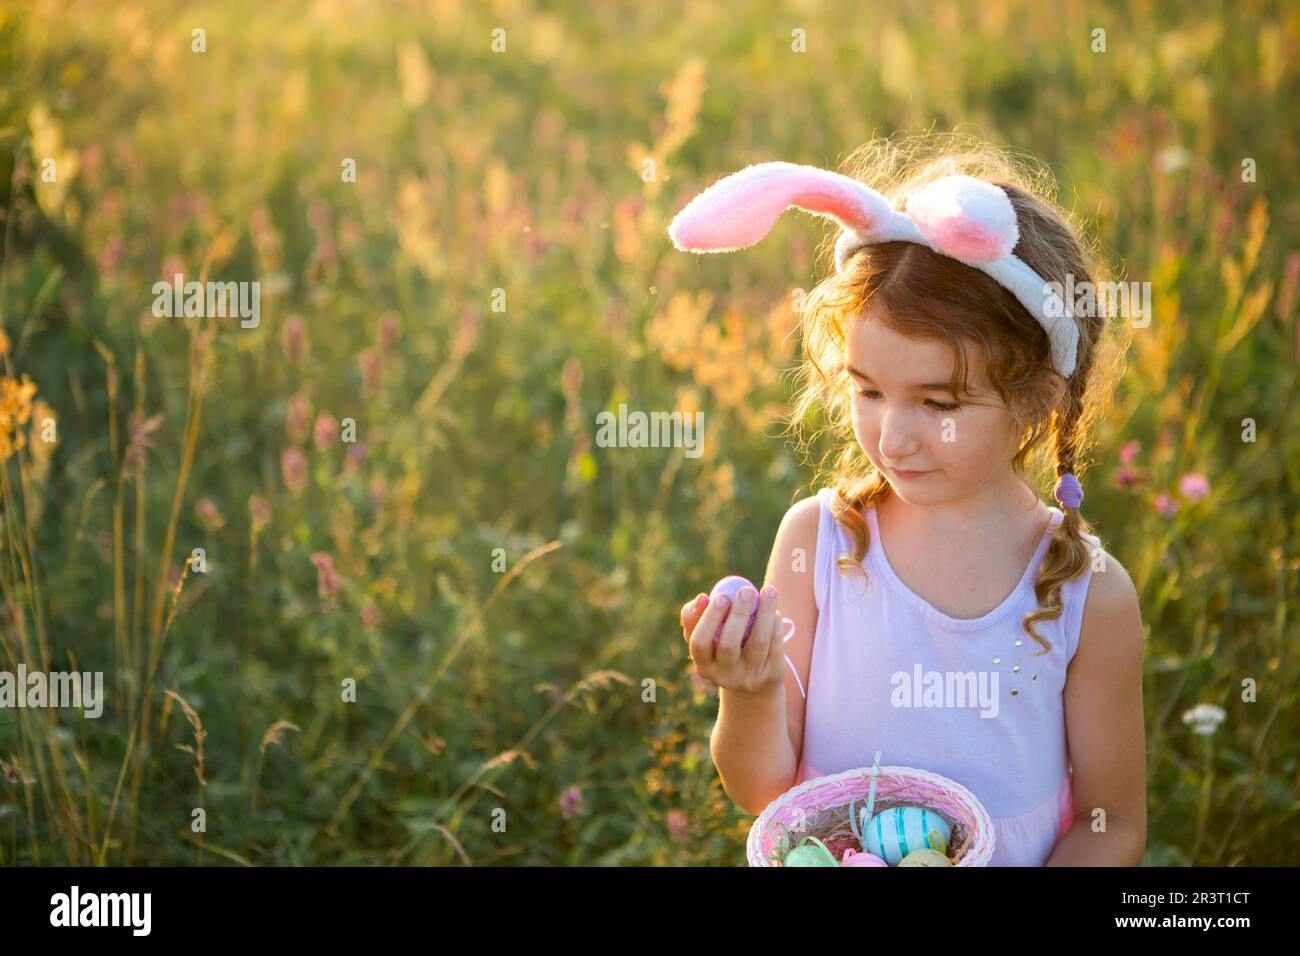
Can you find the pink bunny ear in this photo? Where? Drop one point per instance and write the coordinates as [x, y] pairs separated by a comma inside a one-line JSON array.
[[740, 209], [966, 218]]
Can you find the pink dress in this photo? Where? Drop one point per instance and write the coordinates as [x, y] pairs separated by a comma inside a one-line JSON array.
[[891, 673]]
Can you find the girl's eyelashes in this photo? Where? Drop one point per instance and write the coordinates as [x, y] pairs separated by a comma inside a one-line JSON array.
[[872, 395]]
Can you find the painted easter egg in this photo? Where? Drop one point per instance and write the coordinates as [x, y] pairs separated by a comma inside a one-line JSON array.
[[894, 833], [730, 587], [854, 857], [925, 858]]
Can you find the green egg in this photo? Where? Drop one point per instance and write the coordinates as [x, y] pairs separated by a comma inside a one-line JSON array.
[[810, 854]]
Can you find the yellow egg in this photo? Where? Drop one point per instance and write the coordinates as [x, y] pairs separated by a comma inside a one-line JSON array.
[[925, 858]]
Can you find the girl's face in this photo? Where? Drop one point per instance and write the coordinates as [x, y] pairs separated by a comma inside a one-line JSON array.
[[964, 449]]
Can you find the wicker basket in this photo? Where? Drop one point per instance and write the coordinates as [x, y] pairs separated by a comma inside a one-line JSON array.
[[822, 806]]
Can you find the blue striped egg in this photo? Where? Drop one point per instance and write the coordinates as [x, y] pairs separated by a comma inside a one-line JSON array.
[[894, 833]]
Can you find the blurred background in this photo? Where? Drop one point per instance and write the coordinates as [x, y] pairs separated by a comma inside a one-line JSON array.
[[502, 590]]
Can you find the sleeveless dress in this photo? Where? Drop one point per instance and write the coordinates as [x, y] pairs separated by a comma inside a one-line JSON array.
[[892, 673]]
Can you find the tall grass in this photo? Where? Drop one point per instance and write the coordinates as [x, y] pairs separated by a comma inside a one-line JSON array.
[[502, 591]]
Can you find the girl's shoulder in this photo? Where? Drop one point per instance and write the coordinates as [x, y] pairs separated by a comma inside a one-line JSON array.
[[799, 530]]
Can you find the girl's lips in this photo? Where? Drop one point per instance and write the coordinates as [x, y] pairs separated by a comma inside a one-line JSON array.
[[910, 474]]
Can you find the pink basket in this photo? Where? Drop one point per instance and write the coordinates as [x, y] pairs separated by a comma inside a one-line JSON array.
[[815, 802]]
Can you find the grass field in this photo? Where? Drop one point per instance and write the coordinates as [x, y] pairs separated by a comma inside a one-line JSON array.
[[502, 590]]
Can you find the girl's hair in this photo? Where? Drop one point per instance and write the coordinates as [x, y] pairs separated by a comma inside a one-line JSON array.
[[921, 294]]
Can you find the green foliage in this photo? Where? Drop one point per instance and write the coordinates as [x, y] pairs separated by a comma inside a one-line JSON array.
[[484, 690]]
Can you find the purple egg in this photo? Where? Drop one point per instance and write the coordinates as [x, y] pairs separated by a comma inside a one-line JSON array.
[[730, 586]]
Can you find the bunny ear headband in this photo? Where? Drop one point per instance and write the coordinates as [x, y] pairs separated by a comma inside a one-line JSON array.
[[961, 217]]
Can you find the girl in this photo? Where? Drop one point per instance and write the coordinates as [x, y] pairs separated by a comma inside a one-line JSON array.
[[951, 619]]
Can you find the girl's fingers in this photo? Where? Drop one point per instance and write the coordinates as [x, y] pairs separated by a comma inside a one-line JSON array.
[[690, 614], [688, 610], [760, 638], [701, 638], [728, 651], [694, 606]]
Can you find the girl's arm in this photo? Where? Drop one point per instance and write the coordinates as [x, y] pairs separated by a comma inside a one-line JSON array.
[[1105, 730], [757, 742]]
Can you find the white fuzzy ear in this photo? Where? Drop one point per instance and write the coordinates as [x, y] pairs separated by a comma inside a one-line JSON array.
[[966, 218]]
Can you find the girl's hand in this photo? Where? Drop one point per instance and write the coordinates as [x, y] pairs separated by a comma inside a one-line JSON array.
[[754, 669]]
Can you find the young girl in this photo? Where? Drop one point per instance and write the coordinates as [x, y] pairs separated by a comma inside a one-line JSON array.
[[951, 619]]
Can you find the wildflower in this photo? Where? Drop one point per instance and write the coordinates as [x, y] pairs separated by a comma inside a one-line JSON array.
[[378, 491], [571, 377], [694, 755], [294, 338], [1204, 718], [349, 233], [1291, 278], [1194, 486], [327, 253], [187, 204], [141, 430], [325, 431], [1126, 476], [15, 410], [209, 515], [172, 265], [112, 254], [370, 617], [327, 579], [91, 157], [570, 803], [677, 828], [1173, 158], [259, 222], [259, 509], [372, 366], [356, 456], [1165, 504], [295, 422], [293, 465], [572, 213], [1128, 451], [388, 331], [318, 215], [13, 617]]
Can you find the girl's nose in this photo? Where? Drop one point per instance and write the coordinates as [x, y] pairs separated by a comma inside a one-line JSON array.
[[897, 438]]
